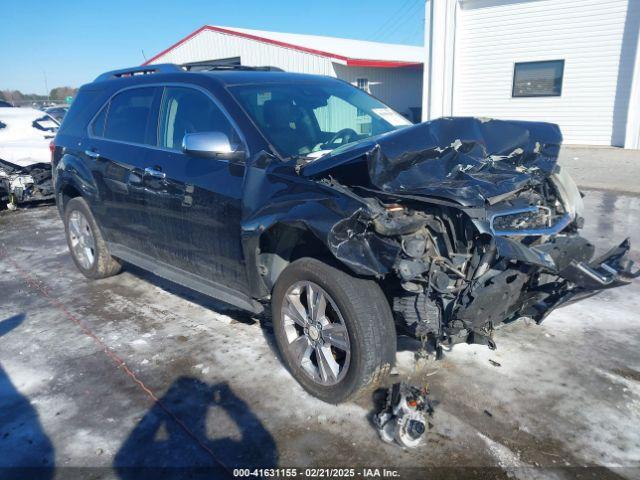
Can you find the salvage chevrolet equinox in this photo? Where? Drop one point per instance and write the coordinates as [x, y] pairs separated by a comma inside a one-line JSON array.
[[260, 187]]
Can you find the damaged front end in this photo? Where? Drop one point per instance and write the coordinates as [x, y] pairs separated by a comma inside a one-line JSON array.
[[468, 224], [19, 185]]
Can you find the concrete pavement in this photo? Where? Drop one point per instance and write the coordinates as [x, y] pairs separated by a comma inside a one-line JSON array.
[[603, 168], [99, 377]]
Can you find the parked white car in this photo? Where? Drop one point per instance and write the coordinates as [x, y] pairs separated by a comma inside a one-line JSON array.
[[25, 134], [25, 158]]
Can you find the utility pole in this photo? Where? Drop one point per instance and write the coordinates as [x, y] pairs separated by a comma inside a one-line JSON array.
[[46, 86]]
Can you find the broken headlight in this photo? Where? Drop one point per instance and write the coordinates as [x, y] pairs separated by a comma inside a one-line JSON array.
[[528, 221], [534, 217]]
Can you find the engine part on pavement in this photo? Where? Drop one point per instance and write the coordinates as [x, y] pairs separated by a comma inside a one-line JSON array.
[[403, 419]]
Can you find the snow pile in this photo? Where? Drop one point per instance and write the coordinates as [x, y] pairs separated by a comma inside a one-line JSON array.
[[25, 134]]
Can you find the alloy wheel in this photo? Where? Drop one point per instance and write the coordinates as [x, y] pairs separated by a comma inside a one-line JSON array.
[[316, 334], [83, 244]]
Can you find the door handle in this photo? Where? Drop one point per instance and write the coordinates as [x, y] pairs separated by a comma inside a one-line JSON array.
[[154, 173], [92, 153]]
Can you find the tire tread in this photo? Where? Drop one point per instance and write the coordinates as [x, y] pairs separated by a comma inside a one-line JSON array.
[[105, 265], [371, 316]]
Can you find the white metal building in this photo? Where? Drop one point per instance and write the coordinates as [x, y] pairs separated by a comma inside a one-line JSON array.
[[571, 62], [391, 72]]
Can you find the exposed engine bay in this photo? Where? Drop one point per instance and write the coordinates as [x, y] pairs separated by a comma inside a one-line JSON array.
[[468, 224], [24, 184], [460, 277]]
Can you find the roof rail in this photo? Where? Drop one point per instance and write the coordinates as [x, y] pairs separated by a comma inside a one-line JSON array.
[[208, 67], [143, 70]]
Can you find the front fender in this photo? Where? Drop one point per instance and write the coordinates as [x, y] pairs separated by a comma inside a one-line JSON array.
[[329, 213]]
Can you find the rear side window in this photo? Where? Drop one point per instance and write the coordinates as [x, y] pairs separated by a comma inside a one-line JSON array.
[[186, 110], [84, 107], [129, 115], [97, 126]]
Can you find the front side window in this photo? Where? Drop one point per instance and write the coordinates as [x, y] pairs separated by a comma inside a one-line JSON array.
[[186, 110], [313, 119], [538, 79], [129, 115]]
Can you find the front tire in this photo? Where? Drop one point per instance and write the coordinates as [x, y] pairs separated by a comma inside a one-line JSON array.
[[86, 244], [335, 332]]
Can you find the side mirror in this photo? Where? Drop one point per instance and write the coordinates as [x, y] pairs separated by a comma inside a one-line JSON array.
[[210, 145]]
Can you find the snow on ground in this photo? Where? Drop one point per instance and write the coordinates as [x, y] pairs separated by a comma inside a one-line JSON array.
[[560, 395]]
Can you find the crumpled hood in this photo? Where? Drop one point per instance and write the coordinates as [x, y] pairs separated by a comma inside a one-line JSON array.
[[465, 159]]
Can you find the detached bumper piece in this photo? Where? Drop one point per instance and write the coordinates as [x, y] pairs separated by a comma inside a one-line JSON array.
[[536, 281], [610, 270], [581, 278]]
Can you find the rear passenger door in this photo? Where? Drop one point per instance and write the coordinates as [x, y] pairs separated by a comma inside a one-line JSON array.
[[194, 204], [120, 137]]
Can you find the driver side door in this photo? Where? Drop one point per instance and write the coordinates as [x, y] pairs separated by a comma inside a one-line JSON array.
[[194, 203]]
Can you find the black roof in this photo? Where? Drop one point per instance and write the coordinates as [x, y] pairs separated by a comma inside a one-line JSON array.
[[250, 77], [224, 75]]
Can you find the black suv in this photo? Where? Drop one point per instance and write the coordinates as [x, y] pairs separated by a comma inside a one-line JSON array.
[[260, 187]]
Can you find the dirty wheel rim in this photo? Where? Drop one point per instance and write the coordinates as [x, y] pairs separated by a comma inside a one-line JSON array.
[[316, 335], [83, 244]]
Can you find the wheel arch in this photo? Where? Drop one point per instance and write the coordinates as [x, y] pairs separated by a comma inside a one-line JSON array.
[[73, 179], [283, 243], [67, 192]]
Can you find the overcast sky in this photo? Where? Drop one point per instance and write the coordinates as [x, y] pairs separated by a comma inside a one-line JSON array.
[[70, 42]]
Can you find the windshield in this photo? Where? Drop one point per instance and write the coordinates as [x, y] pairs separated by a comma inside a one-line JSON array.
[[310, 120]]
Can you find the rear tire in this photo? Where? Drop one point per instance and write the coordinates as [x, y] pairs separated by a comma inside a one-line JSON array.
[[86, 244], [312, 344]]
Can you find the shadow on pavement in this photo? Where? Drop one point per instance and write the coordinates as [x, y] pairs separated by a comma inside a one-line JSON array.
[[25, 450], [226, 435], [193, 296], [264, 318]]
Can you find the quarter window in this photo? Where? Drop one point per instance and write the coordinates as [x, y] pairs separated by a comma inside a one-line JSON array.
[[538, 79], [129, 113], [186, 110], [97, 127]]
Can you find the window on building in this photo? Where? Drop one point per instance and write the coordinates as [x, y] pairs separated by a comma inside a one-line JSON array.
[[128, 116], [363, 84], [538, 79]]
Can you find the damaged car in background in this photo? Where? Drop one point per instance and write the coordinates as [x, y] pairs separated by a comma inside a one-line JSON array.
[[25, 156], [307, 194]]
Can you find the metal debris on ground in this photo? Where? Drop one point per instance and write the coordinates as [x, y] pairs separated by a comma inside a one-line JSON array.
[[403, 418], [494, 363]]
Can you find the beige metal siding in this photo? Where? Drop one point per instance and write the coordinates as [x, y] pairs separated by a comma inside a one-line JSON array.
[[596, 39], [400, 88], [209, 45]]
